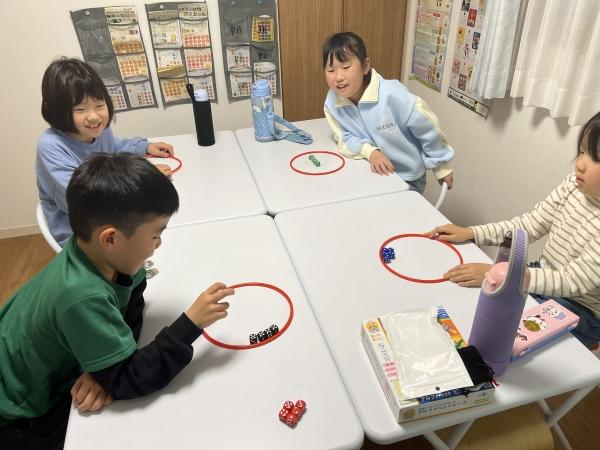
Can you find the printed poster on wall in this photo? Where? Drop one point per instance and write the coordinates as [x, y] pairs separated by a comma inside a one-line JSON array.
[[112, 44], [467, 44], [182, 49], [431, 40]]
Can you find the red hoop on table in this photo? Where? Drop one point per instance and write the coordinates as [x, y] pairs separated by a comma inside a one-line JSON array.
[[406, 277], [317, 173], [283, 329]]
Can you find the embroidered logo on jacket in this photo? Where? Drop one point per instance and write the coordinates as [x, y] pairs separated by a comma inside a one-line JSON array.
[[387, 124]]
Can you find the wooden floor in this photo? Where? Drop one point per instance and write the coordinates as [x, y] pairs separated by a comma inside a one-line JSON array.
[[22, 257]]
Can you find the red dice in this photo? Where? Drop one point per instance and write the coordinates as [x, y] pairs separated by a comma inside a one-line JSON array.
[[291, 420], [288, 405], [283, 414], [301, 405], [290, 413]]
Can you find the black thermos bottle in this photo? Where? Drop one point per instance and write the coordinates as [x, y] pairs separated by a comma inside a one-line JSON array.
[[202, 116]]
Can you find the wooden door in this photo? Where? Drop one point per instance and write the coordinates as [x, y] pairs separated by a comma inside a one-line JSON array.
[[303, 27], [380, 23]]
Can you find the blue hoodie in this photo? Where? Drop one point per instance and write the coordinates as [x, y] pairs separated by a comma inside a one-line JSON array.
[[389, 118], [58, 155]]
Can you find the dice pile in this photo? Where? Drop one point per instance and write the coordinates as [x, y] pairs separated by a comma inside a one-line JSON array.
[[264, 334], [314, 160], [290, 413], [388, 254]]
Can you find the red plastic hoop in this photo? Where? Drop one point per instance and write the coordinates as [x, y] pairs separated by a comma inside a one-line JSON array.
[[179, 163], [317, 173], [406, 277], [283, 329]]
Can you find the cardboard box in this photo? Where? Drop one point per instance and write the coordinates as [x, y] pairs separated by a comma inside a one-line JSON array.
[[378, 348]]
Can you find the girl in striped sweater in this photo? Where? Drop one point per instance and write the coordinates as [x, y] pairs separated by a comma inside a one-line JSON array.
[[569, 268]]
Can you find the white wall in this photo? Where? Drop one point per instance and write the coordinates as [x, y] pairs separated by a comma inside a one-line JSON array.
[[32, 34], [504, 163]]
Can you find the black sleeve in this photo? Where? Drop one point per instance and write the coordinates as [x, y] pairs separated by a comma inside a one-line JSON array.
[[153, 366], [133, 315]]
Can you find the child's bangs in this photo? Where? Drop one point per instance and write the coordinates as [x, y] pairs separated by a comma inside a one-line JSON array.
[[85, 88], [342, 54]]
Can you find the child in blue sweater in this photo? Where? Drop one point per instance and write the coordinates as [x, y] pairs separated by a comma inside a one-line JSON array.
[[79, 109], [379, 119]]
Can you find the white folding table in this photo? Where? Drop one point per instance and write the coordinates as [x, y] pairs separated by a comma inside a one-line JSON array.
[[230, 399], [283, 186], [334, 249]]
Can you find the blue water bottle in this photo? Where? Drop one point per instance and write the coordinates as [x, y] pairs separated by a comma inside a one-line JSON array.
[[262, 104]]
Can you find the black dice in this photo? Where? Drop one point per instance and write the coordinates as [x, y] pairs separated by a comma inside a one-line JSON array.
[[273, 330], [253, 338], [263, 336]]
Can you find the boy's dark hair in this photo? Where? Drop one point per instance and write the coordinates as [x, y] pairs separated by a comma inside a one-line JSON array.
[[589, 138], [119, 189], [66, 82], [343, 46]]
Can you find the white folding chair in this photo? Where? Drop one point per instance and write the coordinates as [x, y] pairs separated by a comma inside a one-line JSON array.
[[41, 220], [442, 196]]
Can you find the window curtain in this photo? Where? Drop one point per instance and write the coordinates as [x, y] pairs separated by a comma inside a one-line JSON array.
[[558, 63], [492, 66]]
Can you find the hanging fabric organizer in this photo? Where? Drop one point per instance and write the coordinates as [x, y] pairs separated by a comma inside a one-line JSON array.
[[112, 44], [182, 48], [249, 41]]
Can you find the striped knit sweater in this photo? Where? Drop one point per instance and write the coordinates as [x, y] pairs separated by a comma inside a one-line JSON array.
[[570, 262]]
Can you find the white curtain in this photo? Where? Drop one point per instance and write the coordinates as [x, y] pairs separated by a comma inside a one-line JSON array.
[[492, 66], [558, 64]]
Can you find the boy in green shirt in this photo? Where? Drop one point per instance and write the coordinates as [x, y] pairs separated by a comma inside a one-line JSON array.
[[71, 332]]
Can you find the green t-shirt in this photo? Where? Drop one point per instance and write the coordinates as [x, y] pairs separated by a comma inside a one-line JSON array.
[[66, 319]]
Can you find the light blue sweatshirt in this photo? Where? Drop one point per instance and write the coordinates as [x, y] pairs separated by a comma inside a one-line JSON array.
[[58, 155], [389, 118]]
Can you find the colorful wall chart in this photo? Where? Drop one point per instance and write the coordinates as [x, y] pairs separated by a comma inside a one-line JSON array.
[[431, 40], [182, 49], [467, 45], [249, 39], [112, 44]]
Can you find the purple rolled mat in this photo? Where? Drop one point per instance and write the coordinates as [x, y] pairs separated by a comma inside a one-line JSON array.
[[497, 315]]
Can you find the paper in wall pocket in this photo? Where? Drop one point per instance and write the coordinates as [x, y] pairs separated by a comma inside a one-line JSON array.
[[263, 29], [204, 83], [195, 33], [240, 84], [117, 95], [193, 11], [174, 89], [198, 61], [165, 34], [238, 58], [140, 94], [133, 67], [266, 71], [126, 38]]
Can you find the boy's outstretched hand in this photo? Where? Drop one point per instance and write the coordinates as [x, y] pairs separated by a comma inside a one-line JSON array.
[[207, 308], [380, 163], [88, 395], [165, 169], [451, 233], [468, 275], [160, 149]]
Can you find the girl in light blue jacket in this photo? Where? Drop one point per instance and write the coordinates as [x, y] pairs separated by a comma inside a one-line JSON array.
[[379, 119]]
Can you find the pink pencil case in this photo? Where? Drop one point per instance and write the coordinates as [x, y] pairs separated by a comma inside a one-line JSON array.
[[540, 325]]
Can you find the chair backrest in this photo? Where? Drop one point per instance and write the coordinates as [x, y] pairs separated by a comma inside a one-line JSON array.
[[41, 220]]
